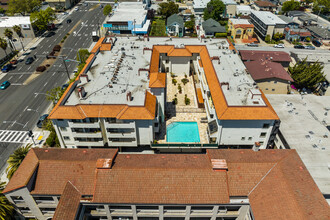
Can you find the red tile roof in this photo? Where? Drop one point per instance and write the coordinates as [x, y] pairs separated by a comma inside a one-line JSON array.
[[157, 80], [276, 182], [69, 203], [264, 4], [264, 69], [244, 26], [276, 56]]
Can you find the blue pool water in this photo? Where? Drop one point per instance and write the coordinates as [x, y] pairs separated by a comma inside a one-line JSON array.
[[182, 132]]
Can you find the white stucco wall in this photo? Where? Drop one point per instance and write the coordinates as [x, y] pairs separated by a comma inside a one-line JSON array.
[[144, 130], [179, 65]]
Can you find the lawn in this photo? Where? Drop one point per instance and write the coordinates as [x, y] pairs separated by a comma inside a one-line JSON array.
[[158, 28]]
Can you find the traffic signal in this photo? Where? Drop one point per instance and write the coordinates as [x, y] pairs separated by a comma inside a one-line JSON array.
[[30, 133]]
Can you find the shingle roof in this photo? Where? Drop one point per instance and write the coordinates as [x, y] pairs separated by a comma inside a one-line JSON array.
[[323, 33], [277, 56], [69, 203], [175, 18], [264, 69], [212, 26]]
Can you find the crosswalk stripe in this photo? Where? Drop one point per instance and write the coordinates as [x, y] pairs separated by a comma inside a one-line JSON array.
[[11, 136]]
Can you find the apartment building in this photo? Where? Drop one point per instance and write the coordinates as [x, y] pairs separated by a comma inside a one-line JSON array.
[[128, 18], [266, 23], [221, 184], [119, 98]]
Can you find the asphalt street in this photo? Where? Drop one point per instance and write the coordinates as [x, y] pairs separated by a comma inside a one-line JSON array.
[[17, 98]]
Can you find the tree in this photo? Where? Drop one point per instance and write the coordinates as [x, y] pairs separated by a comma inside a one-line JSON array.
[[290, 6], [3, 45], [54, 94], [307, 75], [267, 38], [18, 31], [6, 208], [42, 18], [214, 9], [151, 14], [9, 34], [322, 6], [83, 55], [107, 10], [16, 159], [167, 9], [2, 11], [23, 7]]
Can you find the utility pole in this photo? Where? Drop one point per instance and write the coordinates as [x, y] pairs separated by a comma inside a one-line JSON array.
[[67, 72]]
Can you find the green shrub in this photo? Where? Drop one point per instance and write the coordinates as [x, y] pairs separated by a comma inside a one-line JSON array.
[[50, 141], [184, 81], [308, 39], [220, 35], [174, 81], [186, 100], [172, 75], [175, 101], [267, 39], [179, 88]]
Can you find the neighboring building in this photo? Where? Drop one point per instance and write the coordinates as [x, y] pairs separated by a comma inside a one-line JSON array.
[[23, 22], [103, 184], [319, 32], [297, 34], [267, 23], [175, 25], [186, 14], [324, 59], [275, 56], [240, 28], [230, 8], [305, 127], [244, 10], [271, 77], [128, 18], [199, 6], [210, 27], [119, 98], [290, 22], [61, 4], [264, 6], [4, 4]]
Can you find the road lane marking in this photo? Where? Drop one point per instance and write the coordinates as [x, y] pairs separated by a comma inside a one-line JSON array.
[[10, 78], [20, 76], [25, 108], [45, 84]]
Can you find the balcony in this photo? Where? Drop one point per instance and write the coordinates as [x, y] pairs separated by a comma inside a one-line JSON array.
[[84, 125], [87, 134], [120, 125], [89, 143]]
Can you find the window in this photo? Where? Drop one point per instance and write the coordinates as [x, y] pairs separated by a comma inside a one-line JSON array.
[[265, 126], [243, 138], [63, 128], [261, 143], [120, 130], [167, 61], [66, 138], [263, 134], [250, 138], [121, 139]]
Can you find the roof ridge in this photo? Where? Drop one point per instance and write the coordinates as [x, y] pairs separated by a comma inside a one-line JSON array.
[[74, 186]]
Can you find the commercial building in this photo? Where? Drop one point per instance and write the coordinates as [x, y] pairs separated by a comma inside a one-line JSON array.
[[240, 28], [128, 18], [120, 97], [175, 25], [23, 22], [102, 184], [270, 76], [244, 10], [61, 4], [275, 56], [305, 127], [267, 23]]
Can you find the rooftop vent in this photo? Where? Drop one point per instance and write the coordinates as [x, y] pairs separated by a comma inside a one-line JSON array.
[[219, 164], [104, 163], [256, 146]]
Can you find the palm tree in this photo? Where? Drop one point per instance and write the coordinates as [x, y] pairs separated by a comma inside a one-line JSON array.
[[18, 31], [6, 208], [3, 45], [16, 159], [9, 34]]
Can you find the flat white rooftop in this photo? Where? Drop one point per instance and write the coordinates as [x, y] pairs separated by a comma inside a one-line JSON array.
[[303, 125], [12, 21], [268, 18], [200, 3], [102, 72], [129, 11], [239, 21]]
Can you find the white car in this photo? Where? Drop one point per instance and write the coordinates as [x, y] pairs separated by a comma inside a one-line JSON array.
[[76, 9], [279, 45]]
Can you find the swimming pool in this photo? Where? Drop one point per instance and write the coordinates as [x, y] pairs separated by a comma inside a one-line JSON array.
[[182, 132]]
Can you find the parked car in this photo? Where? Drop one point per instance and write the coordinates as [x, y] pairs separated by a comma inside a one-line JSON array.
[[68, 21], [64, 86], [76, 9], [299, 47], [4, 85], [42, 120], [253, 45], [309, 47], [29, 60], [50, 33], [317, 43], [13, 62], [279, 45], [7, 68]]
